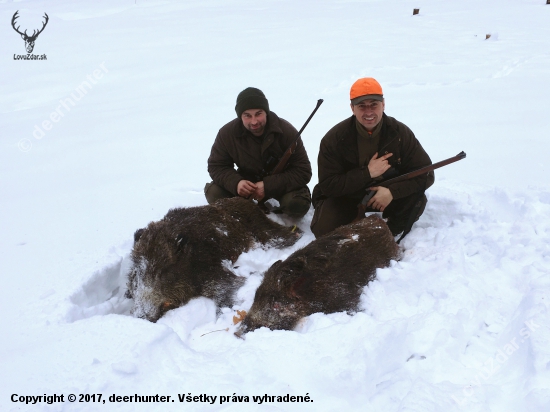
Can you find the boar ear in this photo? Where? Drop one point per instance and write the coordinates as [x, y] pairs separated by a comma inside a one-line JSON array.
[[276, 264], [181, 241], [137, 234]]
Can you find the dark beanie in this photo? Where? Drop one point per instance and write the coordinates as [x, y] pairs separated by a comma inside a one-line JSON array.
[[251, 98]]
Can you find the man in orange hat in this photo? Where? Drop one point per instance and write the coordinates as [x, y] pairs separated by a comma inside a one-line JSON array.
[[361, 151]]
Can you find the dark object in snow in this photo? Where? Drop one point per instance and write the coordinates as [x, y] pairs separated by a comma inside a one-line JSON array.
[[187, 254], [328, 275], [416, 11]]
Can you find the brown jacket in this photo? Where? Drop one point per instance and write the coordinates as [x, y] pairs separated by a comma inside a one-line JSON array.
[[340, 173], [235, 145]]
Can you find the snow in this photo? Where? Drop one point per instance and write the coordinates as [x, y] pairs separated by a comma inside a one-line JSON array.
[[135, 92]]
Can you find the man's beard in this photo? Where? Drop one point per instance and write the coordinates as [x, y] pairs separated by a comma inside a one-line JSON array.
[[257, 131]]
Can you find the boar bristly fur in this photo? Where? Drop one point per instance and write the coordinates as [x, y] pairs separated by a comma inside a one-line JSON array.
[[328, 276], [187, 254]]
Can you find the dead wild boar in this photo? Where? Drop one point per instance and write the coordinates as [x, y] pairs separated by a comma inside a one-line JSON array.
[[328, 275], [187, 253]]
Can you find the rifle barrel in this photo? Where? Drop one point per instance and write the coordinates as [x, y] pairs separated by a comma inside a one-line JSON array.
[[424, 169], [290, 149], [319, 103], [407, 176]]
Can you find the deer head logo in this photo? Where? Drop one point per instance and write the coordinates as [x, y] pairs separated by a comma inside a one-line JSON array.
[[29, 40]]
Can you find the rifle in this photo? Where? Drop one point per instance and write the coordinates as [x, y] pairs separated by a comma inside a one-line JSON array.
[[292, 148], [362, 207], [286, 156]]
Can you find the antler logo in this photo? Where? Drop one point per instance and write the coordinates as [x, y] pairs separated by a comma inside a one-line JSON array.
[[29, 40]]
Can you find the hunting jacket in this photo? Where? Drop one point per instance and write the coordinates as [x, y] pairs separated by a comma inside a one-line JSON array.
[[235, 145], [340, 173]]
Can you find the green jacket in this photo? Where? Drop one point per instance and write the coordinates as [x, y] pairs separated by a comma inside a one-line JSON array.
[[235, 145], [340, 173]]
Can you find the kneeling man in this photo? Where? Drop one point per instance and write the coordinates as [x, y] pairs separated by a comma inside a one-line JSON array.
[[358, 153], [255, 142]]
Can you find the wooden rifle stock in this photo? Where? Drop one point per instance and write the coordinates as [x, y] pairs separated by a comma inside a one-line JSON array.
[[362, 207]]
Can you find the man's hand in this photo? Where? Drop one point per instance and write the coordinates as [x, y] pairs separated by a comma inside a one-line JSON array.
[[259, 194], [245, 188], [381, 199], [378, 165]]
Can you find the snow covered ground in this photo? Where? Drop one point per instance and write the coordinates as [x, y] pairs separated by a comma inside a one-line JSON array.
[[461, 323]]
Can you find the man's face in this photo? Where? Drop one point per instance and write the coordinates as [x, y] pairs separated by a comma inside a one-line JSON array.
[[368, 113], [254, 120]]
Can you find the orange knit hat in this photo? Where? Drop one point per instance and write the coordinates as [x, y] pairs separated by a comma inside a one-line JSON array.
[[365, 88]]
